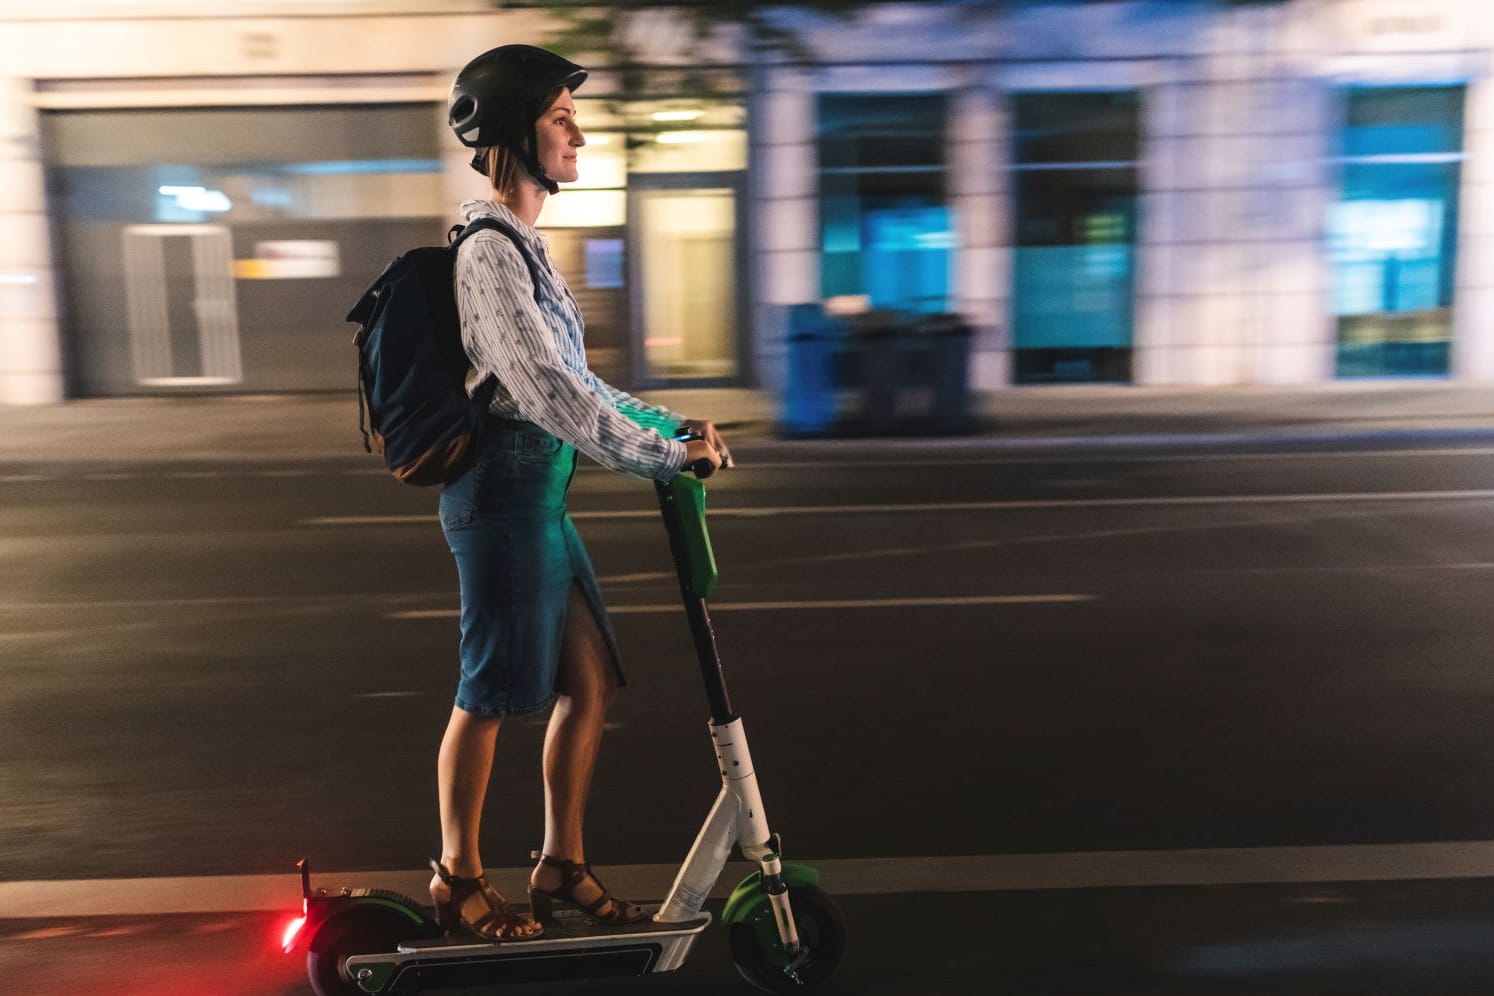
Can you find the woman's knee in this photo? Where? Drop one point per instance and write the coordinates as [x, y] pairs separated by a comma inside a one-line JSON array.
[[591, 693]]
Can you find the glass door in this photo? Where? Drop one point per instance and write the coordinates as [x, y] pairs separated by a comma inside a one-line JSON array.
[[183, 318], [688, 277]]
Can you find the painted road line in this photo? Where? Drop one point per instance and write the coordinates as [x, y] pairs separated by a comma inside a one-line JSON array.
[[953, 460], [1070, 459], [864, 603], [1172, 501], [842, 876]]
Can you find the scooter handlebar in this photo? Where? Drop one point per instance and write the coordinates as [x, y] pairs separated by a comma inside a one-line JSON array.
[[700, 468]]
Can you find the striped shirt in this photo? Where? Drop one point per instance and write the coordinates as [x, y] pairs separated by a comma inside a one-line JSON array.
[[534, 348]]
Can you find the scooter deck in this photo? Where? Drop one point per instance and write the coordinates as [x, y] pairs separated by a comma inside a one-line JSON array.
[[568, 950], [569, 926]]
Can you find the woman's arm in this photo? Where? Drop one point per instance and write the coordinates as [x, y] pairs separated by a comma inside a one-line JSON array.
[[659, 418], [636, 410], [504, 334]]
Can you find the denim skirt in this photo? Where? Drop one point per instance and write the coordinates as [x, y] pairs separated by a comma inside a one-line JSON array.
[[517, 556]]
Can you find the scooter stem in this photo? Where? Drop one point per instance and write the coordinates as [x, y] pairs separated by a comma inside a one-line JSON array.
[[682, 504]]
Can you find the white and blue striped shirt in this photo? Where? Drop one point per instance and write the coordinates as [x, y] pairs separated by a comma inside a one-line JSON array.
[[535, 349]]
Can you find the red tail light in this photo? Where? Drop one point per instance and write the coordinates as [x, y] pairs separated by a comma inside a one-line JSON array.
[[288, 940]]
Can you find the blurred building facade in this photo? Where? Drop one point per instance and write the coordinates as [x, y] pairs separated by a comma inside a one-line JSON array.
[[1138, 191]]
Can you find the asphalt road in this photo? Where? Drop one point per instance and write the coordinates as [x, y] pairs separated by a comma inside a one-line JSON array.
[[214, 669]]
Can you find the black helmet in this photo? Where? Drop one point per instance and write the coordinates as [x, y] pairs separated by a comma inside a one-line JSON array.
[[495, 101]]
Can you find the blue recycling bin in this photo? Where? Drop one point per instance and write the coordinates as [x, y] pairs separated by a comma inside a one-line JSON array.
[[949, 338], [809, 392], [878, 337]]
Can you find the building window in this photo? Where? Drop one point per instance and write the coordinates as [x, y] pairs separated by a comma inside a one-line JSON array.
[[1393, 233], [219, 248], [686, 178], [884, 224], [1074, 166]]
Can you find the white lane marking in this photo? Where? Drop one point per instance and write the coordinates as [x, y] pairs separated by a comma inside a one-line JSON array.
[[146, 603], [402, 520], [953, 460], [864, 603], [1171, 501], [638, 578], [841, 876], [1095, 457], [336, 602]]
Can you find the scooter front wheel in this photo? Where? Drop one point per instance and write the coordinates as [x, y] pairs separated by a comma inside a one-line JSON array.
[[767, 965]]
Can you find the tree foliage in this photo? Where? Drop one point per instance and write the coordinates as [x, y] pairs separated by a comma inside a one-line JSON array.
[[621, 31]]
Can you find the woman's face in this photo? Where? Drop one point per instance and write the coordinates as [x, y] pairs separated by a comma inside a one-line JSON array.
[[559, 138]]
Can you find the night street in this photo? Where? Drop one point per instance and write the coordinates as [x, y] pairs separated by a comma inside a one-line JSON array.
[[1105, 577], [212, 670]]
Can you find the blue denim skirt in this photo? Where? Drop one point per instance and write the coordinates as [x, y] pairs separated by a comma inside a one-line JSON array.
[[517, 556]]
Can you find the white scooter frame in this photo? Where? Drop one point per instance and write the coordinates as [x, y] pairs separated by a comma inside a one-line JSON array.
[[737, 819]]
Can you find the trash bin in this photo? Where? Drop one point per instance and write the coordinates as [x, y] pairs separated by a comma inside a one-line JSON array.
[[809, 392], [949, 336], [878, 337]]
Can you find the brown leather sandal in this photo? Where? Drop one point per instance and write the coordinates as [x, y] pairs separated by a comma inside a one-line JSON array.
[[493, 919], [605, 909]]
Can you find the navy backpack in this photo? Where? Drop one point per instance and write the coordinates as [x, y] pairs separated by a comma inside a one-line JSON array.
[[412, 369]]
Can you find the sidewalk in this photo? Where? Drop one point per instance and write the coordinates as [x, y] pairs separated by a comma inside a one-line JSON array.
[[324, 426]]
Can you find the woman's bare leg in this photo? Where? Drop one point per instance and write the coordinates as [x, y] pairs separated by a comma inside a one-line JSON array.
[[462, 771], [588, 686]]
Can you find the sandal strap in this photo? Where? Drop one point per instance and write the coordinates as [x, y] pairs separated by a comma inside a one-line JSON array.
[[573, 873], [500, 920], [563, 864]]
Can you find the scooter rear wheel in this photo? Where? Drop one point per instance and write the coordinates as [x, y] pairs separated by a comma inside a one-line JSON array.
[[822, 930], [360, 930]]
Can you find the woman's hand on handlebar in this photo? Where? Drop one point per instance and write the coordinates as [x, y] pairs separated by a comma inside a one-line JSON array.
[[699, 455], [706, 429]]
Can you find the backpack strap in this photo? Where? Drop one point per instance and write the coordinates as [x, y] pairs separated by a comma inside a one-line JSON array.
[[458, 235], [483, 396]]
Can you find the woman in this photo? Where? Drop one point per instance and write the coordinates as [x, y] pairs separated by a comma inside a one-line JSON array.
[[534, 629]]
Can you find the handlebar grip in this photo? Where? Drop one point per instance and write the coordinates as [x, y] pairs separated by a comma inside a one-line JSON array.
[[700, 468]]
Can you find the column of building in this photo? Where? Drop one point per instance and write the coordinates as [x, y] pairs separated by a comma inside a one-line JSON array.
[[1233, 273], [785, 236], [30, 351], [980, 202], [1289, 331], [1473, 299]]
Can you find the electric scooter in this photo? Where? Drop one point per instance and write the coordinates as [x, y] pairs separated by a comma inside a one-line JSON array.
[[785, 932]]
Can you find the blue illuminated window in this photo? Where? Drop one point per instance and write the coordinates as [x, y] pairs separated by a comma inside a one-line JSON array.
[[1074, 168], [885, 229], [1392, 235]]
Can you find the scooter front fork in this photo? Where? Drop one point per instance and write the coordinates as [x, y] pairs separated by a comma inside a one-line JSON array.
[[737, 818], [783, 914]]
